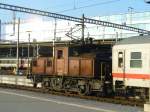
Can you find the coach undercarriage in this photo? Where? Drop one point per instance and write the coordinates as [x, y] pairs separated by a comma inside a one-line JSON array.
[[131, 91]]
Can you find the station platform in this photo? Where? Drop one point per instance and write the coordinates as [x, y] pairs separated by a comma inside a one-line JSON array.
[[16, 80], [26, 101]]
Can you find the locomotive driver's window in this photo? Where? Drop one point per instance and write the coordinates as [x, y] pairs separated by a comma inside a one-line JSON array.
[[49, 63], [34, 63], [136, 61], [59, 54], [120, 59]]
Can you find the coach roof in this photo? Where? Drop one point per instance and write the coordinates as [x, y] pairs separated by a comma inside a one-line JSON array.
[[135, 40]]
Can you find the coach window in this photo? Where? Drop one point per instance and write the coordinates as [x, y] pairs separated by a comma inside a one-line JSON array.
[[136, 61], [60, 54], [120, 59]]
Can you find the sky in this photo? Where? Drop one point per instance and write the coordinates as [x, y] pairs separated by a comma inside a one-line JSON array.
[[89, 8], [77, 7]]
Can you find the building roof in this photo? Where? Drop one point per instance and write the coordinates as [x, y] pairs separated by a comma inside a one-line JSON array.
[[135, 40]]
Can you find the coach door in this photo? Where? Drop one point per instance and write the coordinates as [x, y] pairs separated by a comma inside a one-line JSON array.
[[121, 63]]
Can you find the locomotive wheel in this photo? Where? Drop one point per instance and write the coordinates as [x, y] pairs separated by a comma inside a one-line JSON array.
[[56, 84], [84, 89], [46, 85]]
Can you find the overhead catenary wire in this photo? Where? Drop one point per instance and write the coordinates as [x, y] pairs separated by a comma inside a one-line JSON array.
[[74, 2], [87, 6], [71, 18]]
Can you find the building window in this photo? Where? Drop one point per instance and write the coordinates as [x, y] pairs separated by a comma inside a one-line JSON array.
[[60, 54], [49, 63], [120, 59], [135, 61], [34, 62]]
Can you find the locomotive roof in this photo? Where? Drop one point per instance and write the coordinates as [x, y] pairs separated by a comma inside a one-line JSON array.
[[135, 40]]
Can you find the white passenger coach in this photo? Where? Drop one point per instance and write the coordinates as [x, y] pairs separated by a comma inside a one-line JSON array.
[[131, 65]]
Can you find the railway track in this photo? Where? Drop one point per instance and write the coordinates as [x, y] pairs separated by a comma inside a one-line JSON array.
[[115, 100]]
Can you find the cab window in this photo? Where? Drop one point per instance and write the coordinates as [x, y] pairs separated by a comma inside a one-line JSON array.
[[49, 63], [34, 62], [59, 54]]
